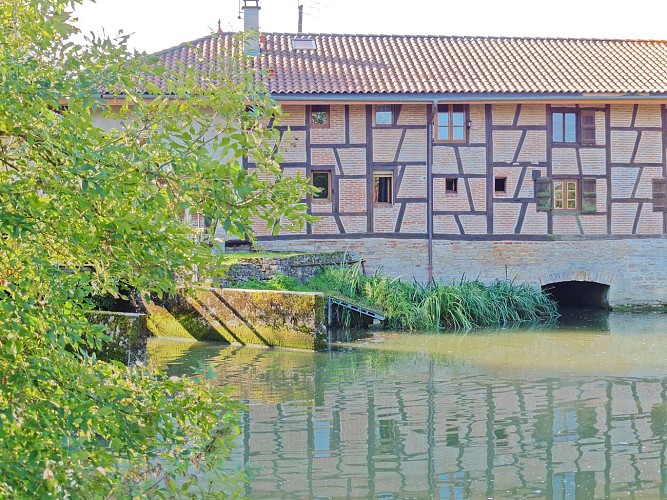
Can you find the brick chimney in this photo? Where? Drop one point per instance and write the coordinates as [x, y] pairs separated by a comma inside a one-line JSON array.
[[251, 24]]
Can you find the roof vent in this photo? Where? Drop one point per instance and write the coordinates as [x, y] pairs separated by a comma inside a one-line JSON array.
[[303, 43]]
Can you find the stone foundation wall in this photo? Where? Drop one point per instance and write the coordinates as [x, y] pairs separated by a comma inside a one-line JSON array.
[[256, 317], [395, 257], [302, 267], [635, 269]]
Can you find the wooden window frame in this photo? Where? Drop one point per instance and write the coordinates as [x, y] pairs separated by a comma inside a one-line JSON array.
[[450, 111], [325, 108], [659, 194], [384, 174], [392, 108], [585, 198], [455, 184], [583, 114], [500, 178], [577, 194], [577, 126], [329, 180]]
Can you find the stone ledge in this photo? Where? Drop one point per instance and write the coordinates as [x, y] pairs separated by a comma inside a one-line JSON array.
[[244, 317], [578, 275], [302, 267]]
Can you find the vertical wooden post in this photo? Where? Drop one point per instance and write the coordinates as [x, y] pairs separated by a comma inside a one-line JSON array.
[[328, 311]]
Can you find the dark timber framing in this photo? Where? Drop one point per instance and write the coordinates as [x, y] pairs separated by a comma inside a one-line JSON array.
[[488, 115], [663, 113], [607, 133], [476, 212]]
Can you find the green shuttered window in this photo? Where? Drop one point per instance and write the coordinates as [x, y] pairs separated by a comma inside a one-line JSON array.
[[587, 127], [566, 195], [543, 194], [588, 196]]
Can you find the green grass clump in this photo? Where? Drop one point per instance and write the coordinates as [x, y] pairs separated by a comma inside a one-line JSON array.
[[464, 305], [412, 306]]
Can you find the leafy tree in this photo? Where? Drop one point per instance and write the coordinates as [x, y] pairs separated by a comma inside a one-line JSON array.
[[91, 192]]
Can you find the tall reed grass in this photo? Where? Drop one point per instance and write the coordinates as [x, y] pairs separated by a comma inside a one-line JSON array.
[[464, 305]]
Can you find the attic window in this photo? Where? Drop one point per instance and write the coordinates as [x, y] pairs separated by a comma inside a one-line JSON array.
[[303, 43]]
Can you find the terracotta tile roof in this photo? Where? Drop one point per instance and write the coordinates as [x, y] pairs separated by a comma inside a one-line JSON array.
[[383, 64]]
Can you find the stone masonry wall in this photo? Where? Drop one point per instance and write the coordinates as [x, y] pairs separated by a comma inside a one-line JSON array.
[[635, 269], [302, 267]]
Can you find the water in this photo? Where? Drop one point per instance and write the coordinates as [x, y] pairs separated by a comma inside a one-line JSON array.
[[574, 411]]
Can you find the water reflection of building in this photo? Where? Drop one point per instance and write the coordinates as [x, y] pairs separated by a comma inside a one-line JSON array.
[[436, 431], [388, 424]]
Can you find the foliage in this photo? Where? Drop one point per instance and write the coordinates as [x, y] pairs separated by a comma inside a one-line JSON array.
[[91, 192], [463, 305], [413, 306]]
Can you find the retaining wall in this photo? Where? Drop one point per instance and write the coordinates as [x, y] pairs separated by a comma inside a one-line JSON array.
[[634, 269], [245, 317], [302, 267]]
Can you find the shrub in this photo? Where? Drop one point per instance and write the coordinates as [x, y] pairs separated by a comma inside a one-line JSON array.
[[412, 306]]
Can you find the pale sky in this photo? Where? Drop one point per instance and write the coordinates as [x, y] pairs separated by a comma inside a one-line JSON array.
[[160, 24]]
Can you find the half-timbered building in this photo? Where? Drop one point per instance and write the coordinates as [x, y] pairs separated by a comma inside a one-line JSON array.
[[436, 157]]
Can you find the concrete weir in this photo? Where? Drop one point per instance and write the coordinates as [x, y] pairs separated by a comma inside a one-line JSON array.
[[243, 317]]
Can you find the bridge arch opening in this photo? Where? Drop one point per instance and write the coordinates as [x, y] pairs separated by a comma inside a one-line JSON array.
[[579, 294]]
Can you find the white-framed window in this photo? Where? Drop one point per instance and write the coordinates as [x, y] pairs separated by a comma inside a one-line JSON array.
[[383, 187], [566, 194]]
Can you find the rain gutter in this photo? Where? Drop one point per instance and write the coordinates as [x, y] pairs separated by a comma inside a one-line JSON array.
[[487, 97], [429, 188]]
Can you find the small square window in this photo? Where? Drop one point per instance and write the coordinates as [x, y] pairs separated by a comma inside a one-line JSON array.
[[384, 114], [382, 188], [250, 118], [322, 181], [451, 185], [319, 116], [500, 185]]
